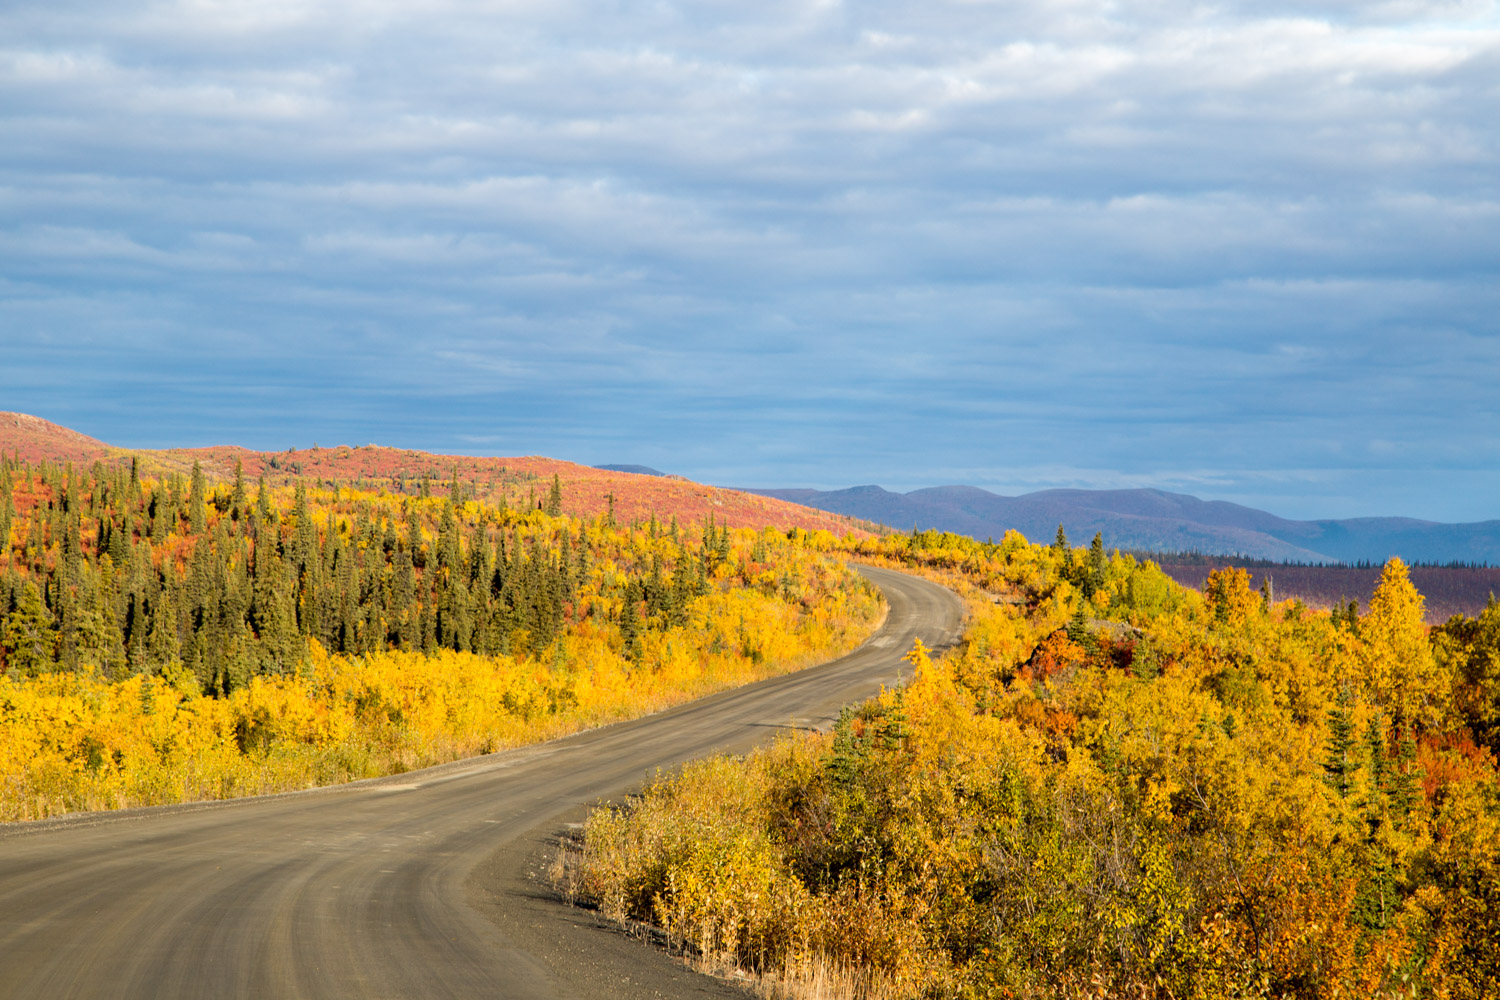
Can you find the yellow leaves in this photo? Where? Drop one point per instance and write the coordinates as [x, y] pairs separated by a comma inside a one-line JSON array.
[[275, 710], [1157, 807], [919, 658], [1400, 671], [1229, 597]]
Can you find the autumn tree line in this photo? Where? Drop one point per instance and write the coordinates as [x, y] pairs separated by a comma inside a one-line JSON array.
[[1114, 787], [172, 638], [110, 574]]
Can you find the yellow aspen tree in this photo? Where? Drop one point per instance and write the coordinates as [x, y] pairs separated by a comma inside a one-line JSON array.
[[1400, 670], [1228, 595]]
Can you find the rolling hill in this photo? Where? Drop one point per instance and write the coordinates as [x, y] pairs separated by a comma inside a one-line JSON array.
[[522, 480]]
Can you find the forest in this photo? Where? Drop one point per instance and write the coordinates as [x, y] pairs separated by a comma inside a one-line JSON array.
[[175, 638], [1113, 787]]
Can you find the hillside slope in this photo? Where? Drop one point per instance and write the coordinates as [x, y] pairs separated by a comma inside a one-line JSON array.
[[33, 439], [523, 480]]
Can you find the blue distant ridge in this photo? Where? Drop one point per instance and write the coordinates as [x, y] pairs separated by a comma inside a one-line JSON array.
[[1157, 521]]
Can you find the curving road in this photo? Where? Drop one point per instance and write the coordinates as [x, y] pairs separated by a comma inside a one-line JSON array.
[[421, 885]]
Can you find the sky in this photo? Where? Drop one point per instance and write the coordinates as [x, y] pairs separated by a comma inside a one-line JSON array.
[[1249, 251]]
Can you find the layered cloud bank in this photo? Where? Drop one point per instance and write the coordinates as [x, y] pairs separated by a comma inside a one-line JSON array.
[[1248, 251]]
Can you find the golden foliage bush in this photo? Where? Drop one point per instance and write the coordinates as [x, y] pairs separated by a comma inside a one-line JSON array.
[[1202, 797]]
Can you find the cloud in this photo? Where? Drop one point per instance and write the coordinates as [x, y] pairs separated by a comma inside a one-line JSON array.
[[1249, 249]]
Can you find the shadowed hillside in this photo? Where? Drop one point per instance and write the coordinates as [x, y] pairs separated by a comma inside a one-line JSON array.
[[1447, 590]]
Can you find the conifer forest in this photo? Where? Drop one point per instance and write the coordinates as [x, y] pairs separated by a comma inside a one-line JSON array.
[[168, 639]]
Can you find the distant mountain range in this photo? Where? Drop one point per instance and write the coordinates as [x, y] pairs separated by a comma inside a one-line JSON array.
[[1157, 521], [1140, 520]]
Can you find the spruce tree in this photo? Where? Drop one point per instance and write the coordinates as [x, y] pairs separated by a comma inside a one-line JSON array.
[[630, 623], [29, 640], [1078, 629], [848, 751], [415, 546], [121, 540], [163, 646], [197, 496], [238, 501], [304, 550], [7, 515], [1405, 778], [1098, 565], [554, 497], [263, 507], [1339, 760], [481, 561], [449, 557]]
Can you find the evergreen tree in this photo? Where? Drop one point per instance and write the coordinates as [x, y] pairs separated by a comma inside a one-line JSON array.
[[1078, 629], [1405, 778], [163, 645], [281, 647], [238, 502], [1098, 566], [894, 729], [403, 601], [415, 546], [238, 662], [7, 514], [1339, 760], [197, 496], [449, 557], [263, 507], [120, 539], [481, 561], [29, 638], [848, 751], [630, 623], [554, 497]]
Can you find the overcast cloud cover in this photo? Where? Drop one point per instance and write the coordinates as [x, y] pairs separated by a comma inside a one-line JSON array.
[[1248, 251]]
